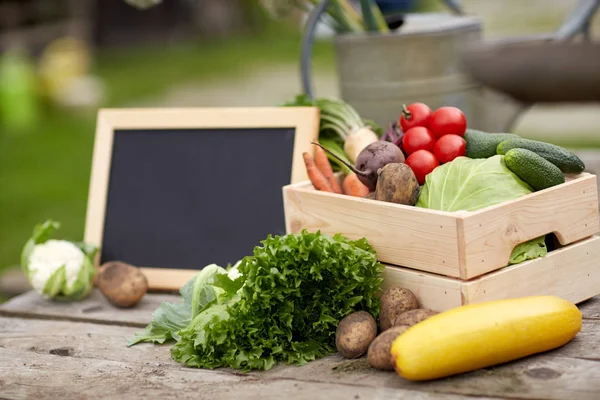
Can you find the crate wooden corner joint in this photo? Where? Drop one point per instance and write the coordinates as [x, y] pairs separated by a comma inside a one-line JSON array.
[[455, 244]]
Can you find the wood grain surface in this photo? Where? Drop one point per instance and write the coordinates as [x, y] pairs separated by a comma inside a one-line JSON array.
[[48, 350]]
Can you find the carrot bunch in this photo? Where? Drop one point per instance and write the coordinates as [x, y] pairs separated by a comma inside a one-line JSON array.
[[321, 175]]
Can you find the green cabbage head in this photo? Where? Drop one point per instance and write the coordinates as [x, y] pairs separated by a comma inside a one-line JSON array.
[[469, 184]]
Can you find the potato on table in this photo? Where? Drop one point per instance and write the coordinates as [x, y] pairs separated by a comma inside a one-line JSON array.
[[379, 353], [354, 334], [413, 317], [395, 301], [122, 284]]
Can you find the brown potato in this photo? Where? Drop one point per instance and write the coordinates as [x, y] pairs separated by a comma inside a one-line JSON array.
[[397, 183], [122, 284], [395, 301], [378, 354], [413, 317], [354, 334]]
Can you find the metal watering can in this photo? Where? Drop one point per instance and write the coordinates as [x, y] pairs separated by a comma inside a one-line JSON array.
[[421, 61]]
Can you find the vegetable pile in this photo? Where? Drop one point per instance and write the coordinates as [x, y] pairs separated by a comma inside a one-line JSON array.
[[421, 140], [421, 344], [281, 304], [358, 333], [431, 159]]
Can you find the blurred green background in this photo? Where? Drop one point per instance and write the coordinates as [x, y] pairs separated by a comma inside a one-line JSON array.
[[228, 53]]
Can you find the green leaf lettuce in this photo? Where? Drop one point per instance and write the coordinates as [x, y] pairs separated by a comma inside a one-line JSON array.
[[169, 318], [283, 307]]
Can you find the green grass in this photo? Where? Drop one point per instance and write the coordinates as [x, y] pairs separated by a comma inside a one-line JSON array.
[[45, 174]]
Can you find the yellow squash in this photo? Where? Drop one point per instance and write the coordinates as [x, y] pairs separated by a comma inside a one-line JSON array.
[[480, 335]]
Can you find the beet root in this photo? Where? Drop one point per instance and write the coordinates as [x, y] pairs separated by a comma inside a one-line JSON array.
[[398, 184], [372, 158]]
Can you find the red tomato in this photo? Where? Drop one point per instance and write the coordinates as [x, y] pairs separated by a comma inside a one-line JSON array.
[[417, 138], [448, 147], [448, 121], [422, 162], [416, 114]]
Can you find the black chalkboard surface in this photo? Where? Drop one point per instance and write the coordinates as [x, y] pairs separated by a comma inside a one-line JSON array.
[[195, 197], [175, 199]]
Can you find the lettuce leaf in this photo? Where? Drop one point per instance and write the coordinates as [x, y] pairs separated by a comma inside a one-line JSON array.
[[169, 318], [295, 290], [283, 306], [472, 184]]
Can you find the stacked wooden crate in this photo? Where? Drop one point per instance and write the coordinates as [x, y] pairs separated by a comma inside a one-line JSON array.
[[454, 258]]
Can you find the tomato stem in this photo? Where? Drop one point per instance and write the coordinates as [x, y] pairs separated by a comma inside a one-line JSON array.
[[407, 114]]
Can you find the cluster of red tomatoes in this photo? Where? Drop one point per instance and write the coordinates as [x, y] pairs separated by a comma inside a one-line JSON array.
[[431, 137]]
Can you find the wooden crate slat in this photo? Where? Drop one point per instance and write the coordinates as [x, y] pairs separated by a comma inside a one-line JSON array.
[[569, 210], [395, 232], [454, 244], [572, 273]]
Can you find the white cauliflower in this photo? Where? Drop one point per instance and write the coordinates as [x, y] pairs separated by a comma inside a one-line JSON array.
[[47, 258], [57, 268]]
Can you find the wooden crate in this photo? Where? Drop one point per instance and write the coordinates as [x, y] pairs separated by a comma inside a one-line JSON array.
[[572, 273], [461, 245]]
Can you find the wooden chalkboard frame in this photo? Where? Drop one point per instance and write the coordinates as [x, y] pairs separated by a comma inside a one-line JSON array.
[[305, 121]]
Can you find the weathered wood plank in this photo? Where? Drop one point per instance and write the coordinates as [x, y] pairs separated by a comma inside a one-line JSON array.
[[95, 308], [546, 376], [81, 340], [591, 308], [43, 376], [539, 377], [87, 340], [585, 345], [33, 375], [550, 376]]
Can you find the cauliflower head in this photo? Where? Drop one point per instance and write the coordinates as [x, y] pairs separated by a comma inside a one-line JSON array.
[[58, 269]]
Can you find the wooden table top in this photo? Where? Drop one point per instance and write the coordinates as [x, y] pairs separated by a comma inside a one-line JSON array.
[[79, 350]]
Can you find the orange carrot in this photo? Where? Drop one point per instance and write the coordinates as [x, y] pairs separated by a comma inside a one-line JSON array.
[[324, 166], [353, 186], [316, 176]]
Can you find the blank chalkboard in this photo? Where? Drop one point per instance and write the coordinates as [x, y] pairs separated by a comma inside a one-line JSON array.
[[174, 190]]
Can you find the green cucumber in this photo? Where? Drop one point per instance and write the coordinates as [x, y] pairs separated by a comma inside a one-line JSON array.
[[565, 160], [534, 169], [482, 144]]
